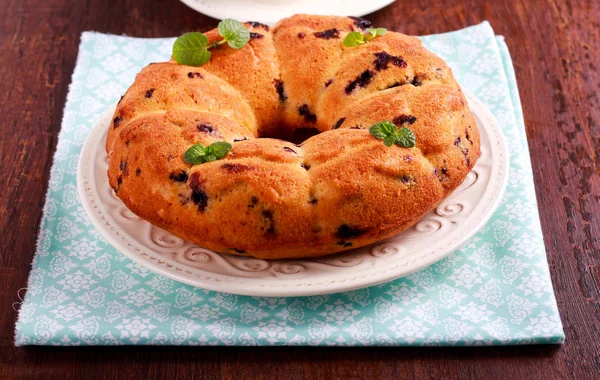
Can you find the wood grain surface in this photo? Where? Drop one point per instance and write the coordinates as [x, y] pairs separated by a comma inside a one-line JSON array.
[[555, 46]]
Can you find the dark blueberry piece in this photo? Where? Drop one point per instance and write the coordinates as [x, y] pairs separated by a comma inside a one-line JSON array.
[[242, 139], [149, 93], [236, 168], [328, 82], [383, 59], [289, 150], [256, 35], [347, 232], [405, 119], [408, 158], [206, 128], [253, 202], [457, 141], [313, 201], [280, 90], [195, 74], [328, 34], [339, 123], [116, 121], [405, 179], [416, 82], [179, 176], [239, 250], [361, 23], [467, 136], [435, 172], [395, 84], [361, 81], [355, 127], [444, 170], [467, 158], [199, 197], [122, 96], [119, 180], [256, 24], [301, 35], [138, 171], [268, 215], [305, 166], [123, 165], [305, 112]]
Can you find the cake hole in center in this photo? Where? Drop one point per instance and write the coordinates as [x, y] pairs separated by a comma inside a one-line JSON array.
[[302, 134], [297, 137]]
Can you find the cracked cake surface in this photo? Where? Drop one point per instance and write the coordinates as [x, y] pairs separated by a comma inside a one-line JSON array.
[[271, 198]]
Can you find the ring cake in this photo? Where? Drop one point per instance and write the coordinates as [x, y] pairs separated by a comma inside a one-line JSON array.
[[269, 197]]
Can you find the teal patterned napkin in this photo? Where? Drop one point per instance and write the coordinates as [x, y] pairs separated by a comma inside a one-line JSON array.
[[496, 290]]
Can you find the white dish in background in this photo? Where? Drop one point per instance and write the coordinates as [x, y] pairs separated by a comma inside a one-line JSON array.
[[436, 236], [270, 11]]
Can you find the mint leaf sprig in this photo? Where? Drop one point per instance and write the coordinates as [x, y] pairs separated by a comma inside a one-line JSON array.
[[192, 49], [234, 33], [199, 153], [358, 38], [390, 134]]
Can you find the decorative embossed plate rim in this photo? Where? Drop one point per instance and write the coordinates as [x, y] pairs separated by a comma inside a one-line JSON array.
[[436, 236], [271, 11]]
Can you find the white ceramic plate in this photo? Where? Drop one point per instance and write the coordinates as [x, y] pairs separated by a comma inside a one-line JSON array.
[[436, 236], [271, 11]]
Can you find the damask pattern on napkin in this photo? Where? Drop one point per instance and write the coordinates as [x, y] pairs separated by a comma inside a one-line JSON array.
[[495, 290]]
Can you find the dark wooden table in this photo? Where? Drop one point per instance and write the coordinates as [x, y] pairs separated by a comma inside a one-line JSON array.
[[555, 45]]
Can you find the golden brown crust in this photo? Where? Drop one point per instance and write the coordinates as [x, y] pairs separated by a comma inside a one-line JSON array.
[[253, 71], [308, 50], [269, 198]]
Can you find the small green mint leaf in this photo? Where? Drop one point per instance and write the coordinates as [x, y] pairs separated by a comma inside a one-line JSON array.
[[190, 49], [388, 128], [195, 154], [220, 148], [405, 138], [383, 129], [229, 27], [354, 39], [203, 57], [387, 131], [380, 31], [199, 154], [371, 33], [376, 131], [240, 41], [234, 33], [210, 157]]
